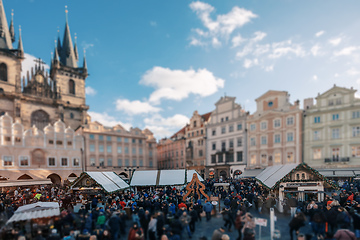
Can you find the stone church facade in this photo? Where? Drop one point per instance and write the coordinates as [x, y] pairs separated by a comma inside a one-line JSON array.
[[40, 98], [40, 110]]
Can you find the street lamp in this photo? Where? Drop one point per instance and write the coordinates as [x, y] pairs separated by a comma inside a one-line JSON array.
[[131, 171]]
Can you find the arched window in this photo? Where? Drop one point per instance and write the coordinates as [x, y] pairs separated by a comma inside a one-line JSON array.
[[71, 87], [40, 119], [3, 72]]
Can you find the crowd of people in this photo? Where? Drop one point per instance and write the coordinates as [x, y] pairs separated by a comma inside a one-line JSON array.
[[162, 213]]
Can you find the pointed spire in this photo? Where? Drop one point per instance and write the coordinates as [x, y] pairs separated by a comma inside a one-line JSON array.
[[84, 63], [58, 41], [5, 38], [56, 60], [12, 30], [67, 56], [20, 45], [76, 49]]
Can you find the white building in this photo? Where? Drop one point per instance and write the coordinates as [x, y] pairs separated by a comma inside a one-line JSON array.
[[226, 139]]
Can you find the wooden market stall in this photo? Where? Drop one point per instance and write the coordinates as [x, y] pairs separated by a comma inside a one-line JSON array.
[[299, 180]]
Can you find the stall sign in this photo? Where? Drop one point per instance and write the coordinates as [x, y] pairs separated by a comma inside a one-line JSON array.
[[261, 222], [301, 184]]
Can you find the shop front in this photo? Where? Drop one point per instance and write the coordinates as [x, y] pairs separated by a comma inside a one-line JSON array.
[[292, 180]]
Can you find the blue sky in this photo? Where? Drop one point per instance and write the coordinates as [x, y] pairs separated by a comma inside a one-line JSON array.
[[153, 63]]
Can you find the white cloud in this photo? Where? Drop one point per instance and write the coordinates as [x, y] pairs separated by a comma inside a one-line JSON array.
[[223, 25], [135, 107], [176, 121], [248, 63], [347, 51], [153, 23], [216, 42], [281, 49], [335, 41], [259, 36], [336, 75], [165, 127], [107, 120], [315, 78], [86, 45], [320, 33], [269, 68], [237, 40], [315, 50], [196, 42], [352, 72], [179, 84], [28, 63], [90, 91]]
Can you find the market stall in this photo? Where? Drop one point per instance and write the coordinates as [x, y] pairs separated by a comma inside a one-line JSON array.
[[108, 181], [41, 214], [162, 177], [298, 180]]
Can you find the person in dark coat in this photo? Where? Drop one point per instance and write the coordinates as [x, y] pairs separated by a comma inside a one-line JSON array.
[[296, 223], [194, 216], [114, 223]]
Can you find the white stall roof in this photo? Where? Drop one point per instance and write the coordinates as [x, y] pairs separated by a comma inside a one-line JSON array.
[[25, 183], [172, 177], [109, 181], [190, 173], [35, 210], [271, 175], [116, 179], [162, 177], [251, 173], [144, 178]]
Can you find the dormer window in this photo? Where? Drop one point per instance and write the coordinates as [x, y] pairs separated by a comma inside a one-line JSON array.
[[270, 104]]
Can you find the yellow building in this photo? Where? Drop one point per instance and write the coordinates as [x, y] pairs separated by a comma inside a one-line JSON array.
[[332, 132]]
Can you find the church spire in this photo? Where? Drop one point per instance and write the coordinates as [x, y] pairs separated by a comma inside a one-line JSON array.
[[84, 63], [12, 30], [68, 57], [58, 42], [20, 45], [76, 49], [5, 38]]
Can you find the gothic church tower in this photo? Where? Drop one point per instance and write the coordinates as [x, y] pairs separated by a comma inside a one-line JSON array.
[[39, 98]]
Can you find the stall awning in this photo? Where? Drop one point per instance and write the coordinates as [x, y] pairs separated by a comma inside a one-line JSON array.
[[339, 173], [250, 173], [24, 183], [163, 177], [144, 178], [271, 175], [109, 181], [35, 210]]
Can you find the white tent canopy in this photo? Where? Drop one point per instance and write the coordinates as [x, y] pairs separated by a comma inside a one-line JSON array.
[[271, 175], [144, 178], [109, 181], [35, 210], [163, 177]]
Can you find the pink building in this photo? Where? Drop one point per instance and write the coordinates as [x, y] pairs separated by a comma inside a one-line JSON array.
[[274, 131]]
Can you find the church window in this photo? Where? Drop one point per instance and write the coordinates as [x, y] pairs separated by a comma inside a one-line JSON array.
[[1, 90], [71, 87], [3, 72], [71, 115], [40, 119]]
